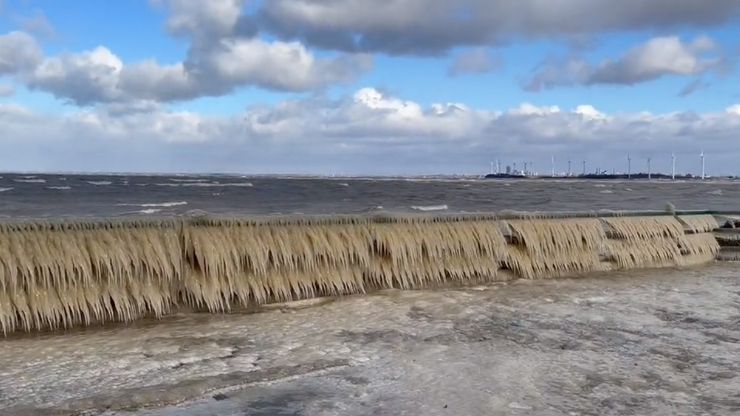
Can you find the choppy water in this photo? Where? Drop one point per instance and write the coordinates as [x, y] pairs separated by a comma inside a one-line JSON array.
[[107, 195]]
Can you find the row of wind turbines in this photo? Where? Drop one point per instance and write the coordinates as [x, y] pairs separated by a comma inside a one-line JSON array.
[[673, 166], [526, 172]]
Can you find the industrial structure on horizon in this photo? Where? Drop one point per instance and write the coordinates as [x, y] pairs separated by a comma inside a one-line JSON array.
[[511, 171]]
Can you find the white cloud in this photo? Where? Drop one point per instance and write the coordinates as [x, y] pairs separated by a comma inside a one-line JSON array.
[[100, 76], [18, 52], [589, 112], [278, 65], [203, 18], [84, 78], [658, 57], [527, 109], [353, 135]]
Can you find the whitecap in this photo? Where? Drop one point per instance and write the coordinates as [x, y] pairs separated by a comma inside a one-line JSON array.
[[100, 183], [217, 184], [60, 188], [429, 207], [30, 180], [188, 180], [148, 211], [345, 184], [715, 192], [5, 189], [606, 191], [600, 185], [160, 204]]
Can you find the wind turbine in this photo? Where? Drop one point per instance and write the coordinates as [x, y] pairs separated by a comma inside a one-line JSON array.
[[629, 166], [649, 172], [703, 170], [552, 166], [673, 166]]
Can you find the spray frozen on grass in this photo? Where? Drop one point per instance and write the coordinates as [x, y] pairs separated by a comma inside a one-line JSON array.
[[64, 275]]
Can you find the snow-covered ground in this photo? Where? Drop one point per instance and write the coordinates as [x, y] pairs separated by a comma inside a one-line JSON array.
[[657, 342]]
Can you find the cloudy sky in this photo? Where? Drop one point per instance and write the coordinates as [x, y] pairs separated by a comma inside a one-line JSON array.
[[367, 87]]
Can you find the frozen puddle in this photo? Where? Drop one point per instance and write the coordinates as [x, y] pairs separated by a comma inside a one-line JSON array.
[[656, 342]]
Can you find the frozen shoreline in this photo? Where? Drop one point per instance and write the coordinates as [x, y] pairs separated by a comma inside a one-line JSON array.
[[639, 342]]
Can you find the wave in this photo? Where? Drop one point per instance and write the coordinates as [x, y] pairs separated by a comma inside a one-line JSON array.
[[189, 180], [427, 208], [715, 192], [30, 180], [99, 183], [60, 188], [606, 191], [208, 185], [216, 184], [160, 204], [5, 189], [148, 211]]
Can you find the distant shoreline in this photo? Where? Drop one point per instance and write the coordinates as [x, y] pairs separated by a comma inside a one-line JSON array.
[[624, 177]]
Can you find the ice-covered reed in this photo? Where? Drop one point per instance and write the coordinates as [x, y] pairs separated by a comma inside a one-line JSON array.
[[60, 275]]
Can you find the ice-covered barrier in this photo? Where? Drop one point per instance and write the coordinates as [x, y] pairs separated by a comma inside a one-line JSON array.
[[60, 275]]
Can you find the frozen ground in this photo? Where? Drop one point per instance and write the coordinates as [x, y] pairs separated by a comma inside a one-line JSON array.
[[657, 342]]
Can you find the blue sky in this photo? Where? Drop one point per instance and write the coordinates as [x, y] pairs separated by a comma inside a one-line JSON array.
[[295, 86]]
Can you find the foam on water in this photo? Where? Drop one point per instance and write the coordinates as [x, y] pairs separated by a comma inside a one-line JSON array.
[[5, 189], [204, 184], [429, 208], [149, 211], [217, 184], [59, 188], [159, 204], [30, 180], [100, 183]]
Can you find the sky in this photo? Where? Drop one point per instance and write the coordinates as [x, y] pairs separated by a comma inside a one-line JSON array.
[[356, 87]]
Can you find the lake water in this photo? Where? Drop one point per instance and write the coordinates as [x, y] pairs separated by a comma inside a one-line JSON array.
[[120, 195]]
